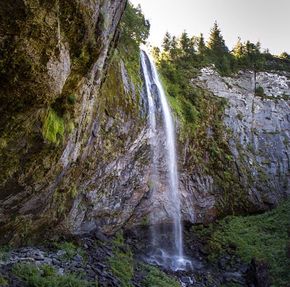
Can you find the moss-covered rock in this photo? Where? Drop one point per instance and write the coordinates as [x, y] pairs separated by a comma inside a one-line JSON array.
[[263, 237], [53, 56]]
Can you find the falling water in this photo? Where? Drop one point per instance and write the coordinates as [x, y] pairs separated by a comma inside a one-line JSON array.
[[154, 87]]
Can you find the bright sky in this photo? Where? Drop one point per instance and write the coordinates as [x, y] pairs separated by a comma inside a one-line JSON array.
[[267, 21]]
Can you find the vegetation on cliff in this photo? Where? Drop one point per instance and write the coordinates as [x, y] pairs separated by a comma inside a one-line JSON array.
[[47, 276], [264, 237], [134, 31], [201, 115]]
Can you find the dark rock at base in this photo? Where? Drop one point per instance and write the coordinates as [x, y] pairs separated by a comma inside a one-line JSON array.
[[188, 280], [234, 277], [258, 274], [100, 236], [288, 245]]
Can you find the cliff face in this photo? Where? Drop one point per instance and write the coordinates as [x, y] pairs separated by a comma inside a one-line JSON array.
[[256, 134], [74, 148], [53, 60], [259, 124]]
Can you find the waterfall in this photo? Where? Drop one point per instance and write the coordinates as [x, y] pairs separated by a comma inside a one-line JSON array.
[[173, 258]]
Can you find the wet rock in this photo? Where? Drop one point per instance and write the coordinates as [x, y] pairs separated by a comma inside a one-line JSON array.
[[235, 277], [187, 280], [258, 273], [259, 128], [100, 236]]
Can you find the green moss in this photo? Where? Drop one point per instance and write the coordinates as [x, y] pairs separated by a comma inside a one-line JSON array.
[[114, 98], [63, 197], [3, 281], [3, 143], [259, 92], [121, 263], [4, 253], [132, 64], [186, 113], [145, 221], [70, 126], [240, 116], [70, 249], [71, 99], [53, 127], [73, 191], [157, 278], [260, 236], [23, 226], [60, 202], [46, 276]]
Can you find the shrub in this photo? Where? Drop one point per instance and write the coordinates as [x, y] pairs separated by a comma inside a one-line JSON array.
[[157, 278], [70, 249], [261, 236], [259, 92], [121, 263], [3, 281], [46, 276]]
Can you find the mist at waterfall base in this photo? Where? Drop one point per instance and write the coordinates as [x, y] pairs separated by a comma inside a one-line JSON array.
[[167, 242]]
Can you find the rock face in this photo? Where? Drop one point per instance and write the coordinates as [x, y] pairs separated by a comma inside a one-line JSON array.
[[74, 141], [53, 61], [260, 130], [257, 130]]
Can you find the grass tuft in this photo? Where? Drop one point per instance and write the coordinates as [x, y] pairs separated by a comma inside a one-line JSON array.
[[157, 278], [3, 281], [46, 276], [264, 237], [122, 263], [53, 127]]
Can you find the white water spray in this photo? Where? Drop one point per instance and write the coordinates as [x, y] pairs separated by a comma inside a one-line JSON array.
[[153, 84]]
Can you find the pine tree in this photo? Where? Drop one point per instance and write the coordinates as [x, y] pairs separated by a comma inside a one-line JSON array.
[[239, 49], [156, 53], [201, 47], [284, 56], [254, 57], [216, 42], [166, 44], [173, 51], [218, 53], [186, 44]]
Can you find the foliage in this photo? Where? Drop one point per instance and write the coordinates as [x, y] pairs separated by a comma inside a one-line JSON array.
[[284, 56], [121, 263], [70, 249], [157, 278], [4, 252], [134, 27], [200, 115], [261, 236], [245, 55], [3, 281], [134, 30], [53, 127], [46, 276], [216, 42], [201, 47], [259, 92], [248, 55]]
